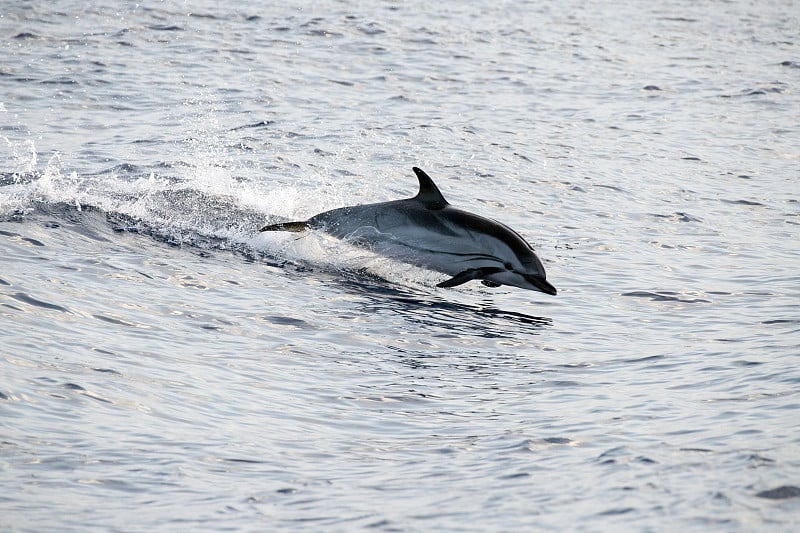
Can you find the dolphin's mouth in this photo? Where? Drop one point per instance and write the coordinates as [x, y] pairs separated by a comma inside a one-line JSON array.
[[540, 283]]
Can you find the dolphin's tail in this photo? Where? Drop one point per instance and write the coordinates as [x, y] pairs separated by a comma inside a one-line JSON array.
[[287, 226]]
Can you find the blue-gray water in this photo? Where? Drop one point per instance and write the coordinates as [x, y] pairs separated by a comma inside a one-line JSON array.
[[163, 366]]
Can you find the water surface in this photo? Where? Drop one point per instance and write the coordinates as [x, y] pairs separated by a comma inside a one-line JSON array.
[[165, 366]]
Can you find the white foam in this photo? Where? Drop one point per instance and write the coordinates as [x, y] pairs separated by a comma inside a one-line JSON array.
[[207, 196]]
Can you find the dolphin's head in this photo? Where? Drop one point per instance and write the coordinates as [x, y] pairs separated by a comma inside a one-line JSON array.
[[497, 253], [516, 277], [521, 267]]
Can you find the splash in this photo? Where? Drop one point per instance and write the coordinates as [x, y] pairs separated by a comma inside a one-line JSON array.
[[211, 199]]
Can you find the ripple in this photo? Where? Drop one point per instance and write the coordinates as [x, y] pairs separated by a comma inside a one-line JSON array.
[[286, 321], [30, 300], [665, 296], [741, 202], [617, 511], [784, 492], [679, 216], [115, 321], [165, 27]]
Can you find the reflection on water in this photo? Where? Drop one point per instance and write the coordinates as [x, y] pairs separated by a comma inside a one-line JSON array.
[[432, 311]]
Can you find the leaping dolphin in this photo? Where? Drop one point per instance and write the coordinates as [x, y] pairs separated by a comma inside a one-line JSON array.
[[428, 232]]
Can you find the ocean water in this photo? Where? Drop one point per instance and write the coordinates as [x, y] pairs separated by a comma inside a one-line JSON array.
[[164, 366]]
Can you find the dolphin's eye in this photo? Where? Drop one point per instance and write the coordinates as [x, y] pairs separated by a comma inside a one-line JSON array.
[[508, 266]]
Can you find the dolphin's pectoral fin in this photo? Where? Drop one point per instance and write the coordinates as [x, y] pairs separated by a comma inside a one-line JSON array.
[[469, 275], [490, 283], [287, 226]]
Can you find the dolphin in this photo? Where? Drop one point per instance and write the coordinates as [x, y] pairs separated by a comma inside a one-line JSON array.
[[428, 232]]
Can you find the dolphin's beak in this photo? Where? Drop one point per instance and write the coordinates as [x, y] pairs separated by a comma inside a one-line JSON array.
[[540, 283]]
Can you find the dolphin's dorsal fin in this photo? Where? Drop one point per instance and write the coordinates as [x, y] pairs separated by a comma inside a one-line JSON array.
[[428, 191]]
